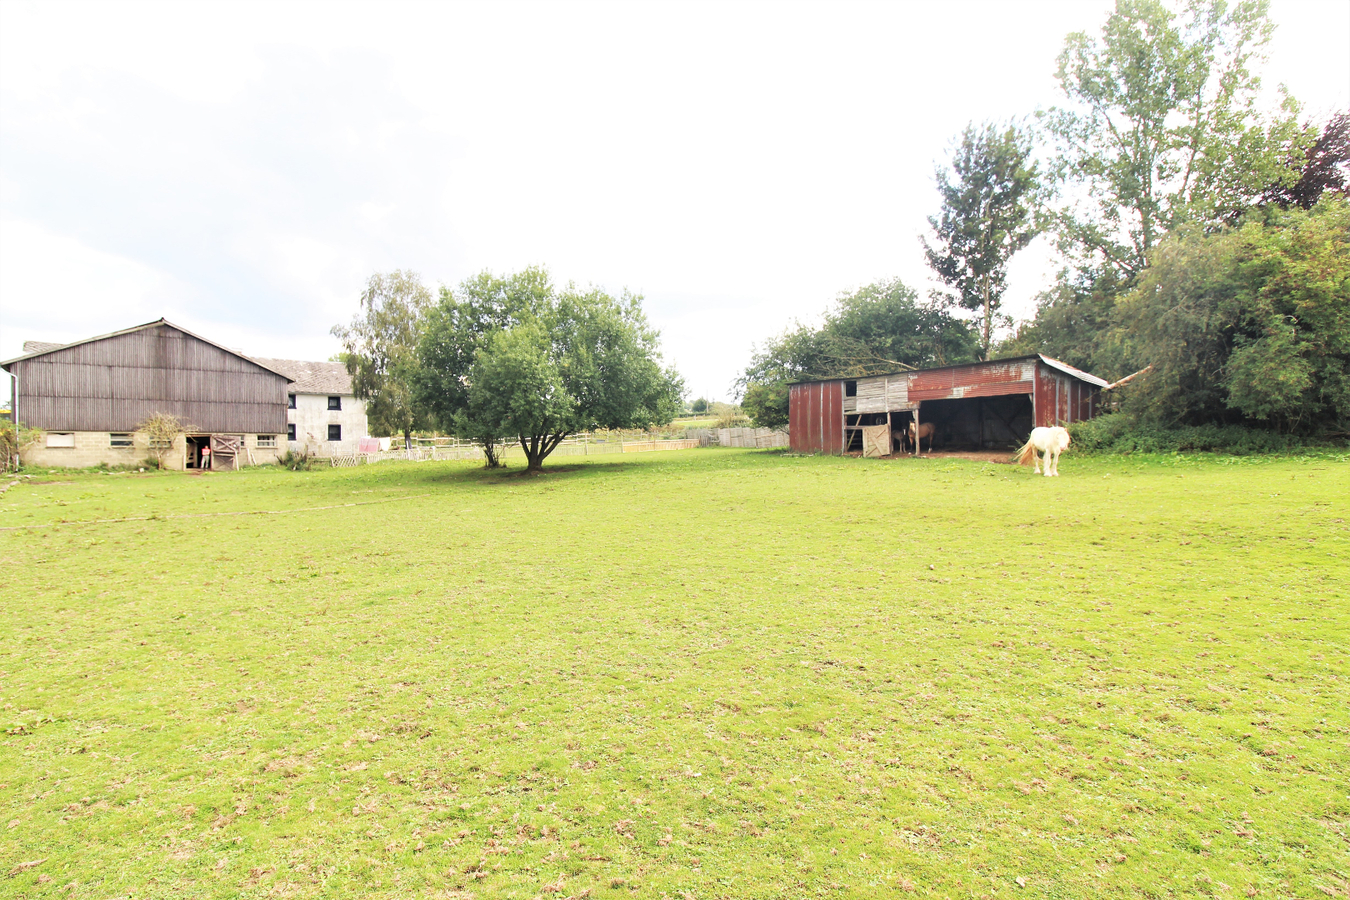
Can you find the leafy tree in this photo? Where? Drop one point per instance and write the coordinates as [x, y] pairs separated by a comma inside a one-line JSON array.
[[988, 214], [514, 357], [1323, 167], [380, 350], [766, 404], [699, 406], [1163, 128], [877, 329], [1073, 322], [460, 325], [1252, 323]]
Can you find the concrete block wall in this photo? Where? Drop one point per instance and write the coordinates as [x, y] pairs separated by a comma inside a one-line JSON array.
[[94, 447]]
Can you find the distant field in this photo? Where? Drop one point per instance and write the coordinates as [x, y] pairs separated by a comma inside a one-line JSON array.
[[702, 674]]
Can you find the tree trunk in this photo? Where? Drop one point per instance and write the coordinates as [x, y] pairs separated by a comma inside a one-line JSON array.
[[988, 318]]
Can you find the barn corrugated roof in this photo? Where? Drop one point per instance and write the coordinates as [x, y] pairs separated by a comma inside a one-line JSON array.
[[1062, 366], [1070, 370], [312, 377], [40, 346]]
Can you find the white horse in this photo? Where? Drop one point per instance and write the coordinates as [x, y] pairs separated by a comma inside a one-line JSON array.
[[1048, 441]]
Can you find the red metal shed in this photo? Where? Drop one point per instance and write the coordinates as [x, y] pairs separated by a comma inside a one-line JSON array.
[[976, 404]]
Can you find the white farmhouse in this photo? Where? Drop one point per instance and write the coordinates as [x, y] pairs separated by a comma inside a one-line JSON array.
[[324, 416]]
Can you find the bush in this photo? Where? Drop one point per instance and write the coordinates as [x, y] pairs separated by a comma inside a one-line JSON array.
[[13, 439], [296, 462], [1119, 433]]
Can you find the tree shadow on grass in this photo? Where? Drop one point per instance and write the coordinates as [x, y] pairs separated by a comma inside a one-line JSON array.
[[516, 475]]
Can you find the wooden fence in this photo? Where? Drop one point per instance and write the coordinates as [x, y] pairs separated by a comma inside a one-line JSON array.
[[575, 447]]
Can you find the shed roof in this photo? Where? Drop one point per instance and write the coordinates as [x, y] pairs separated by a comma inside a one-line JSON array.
[[312, 377], [1062, 366], [41, 348]]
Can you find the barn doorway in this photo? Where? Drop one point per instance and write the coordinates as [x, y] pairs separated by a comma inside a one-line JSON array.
[[195, 457], [980, 423]]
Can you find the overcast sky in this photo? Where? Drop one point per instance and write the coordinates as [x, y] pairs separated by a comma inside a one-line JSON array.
[[241, 169]]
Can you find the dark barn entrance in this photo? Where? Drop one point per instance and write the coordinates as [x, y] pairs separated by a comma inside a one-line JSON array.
[[980, 423]]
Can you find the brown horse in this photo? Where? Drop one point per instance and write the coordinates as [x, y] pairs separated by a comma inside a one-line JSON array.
[[907, 438]]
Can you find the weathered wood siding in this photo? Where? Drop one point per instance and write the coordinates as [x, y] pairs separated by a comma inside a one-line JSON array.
[[883, 393], [115, 383]]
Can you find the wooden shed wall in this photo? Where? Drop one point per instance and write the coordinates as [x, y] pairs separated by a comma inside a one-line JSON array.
[[114, 384]]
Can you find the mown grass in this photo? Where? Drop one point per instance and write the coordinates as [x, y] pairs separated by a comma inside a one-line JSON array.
[[700, 674]]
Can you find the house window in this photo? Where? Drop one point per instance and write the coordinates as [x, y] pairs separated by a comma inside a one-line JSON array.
[[120, 440], [850, 388], [266, 441], [290, 432], [290, 401], [60, 440], [335, 403], [335, 432]]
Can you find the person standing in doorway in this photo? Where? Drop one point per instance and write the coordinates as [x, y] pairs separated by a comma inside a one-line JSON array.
[[206, 456]]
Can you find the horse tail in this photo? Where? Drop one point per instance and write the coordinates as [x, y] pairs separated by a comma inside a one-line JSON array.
[[1026, 454]]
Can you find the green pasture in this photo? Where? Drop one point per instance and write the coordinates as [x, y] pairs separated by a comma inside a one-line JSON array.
[[703, 674]]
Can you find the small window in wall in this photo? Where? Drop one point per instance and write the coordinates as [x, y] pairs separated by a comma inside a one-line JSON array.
[[120, 440], [850, 388], [335, 403], [335, 432], [60, 440], [290, 432], [266, 441], [290, 401]]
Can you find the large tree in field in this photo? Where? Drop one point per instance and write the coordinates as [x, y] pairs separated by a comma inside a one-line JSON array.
[[1161, 127], [877, 329], [515, 358], [461, 324], [380, 350], [988, 213], [1248, 324]]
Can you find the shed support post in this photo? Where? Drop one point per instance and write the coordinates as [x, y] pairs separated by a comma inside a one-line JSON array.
[[916, 430]]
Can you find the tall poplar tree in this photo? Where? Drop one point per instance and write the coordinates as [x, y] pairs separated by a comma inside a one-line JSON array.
[[380, 350], [1162, 128], [989, 211]]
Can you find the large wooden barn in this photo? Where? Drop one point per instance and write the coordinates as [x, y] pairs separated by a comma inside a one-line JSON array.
[[976, 406], [90, 396]]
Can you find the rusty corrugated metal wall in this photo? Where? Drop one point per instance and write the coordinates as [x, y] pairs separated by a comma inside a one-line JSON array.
[[1061, 399], [816, 417], [116, 383]]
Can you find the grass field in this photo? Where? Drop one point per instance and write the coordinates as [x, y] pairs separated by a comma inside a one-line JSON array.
[[701, 674]]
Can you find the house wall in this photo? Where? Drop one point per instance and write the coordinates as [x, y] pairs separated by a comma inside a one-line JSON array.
[[312, 417], [112, 385], [94, 448]]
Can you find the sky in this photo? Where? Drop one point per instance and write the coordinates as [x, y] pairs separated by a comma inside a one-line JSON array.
[[241, 169]]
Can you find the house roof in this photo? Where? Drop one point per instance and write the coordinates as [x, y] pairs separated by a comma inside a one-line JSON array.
[[40, 348], [312, 377]]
